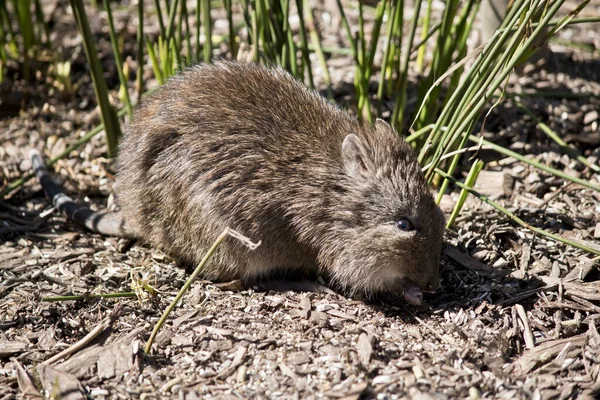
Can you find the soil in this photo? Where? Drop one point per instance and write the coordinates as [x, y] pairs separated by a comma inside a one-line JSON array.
[[515, 317]]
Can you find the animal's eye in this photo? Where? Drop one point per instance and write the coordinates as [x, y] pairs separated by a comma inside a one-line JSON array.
[[404, 224]]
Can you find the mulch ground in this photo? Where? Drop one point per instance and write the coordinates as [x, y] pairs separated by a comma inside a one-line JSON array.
[[515, 318]]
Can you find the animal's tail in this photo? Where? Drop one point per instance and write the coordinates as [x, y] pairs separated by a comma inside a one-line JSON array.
[[106, 223]]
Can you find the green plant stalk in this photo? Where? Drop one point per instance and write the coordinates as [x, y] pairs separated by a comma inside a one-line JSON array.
[[453, 164], [419, 133], [288, 51], [566, 20], [348, 31], [188, 34], [467, 114], [3, 56], [375, 32], [6, 22], [316, 42], [395, 55], [331, 50], [161, 24], [420, 45], [516, 219], [140, 50], [304, 43], [207, 23], [117, 55], [394, 13], [573, 21], [475, 77], [246, 8], [364, 107], [460, 32], [42, 25], [572, 152], [198, 28], [163, 57], [84, 139], [358, 85], [23, 10], [370, 56], [266, 36], [425, 35], [573, 45], [255, 34], [177, 42], [109, 117], [167, 50], [175, 57], [442, 58], [534, 163], [470, 182], [88, 297], [232, 36], [398, 113], [463, 98], [154, 61], [184, 289], [170, 33], [278, 37], [261, 19], [481, 64]]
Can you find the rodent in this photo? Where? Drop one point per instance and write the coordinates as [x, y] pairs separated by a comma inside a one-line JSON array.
[[248, 147]]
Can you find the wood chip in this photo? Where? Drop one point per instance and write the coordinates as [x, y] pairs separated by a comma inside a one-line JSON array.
[[527, 333], [341, 314], [364, 348], [25, 381], [10, 348], [115, 360], [59, 384], [544, 353], [238, 359], [466, 260]]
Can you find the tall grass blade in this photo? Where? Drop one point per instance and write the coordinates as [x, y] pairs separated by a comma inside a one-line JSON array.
[[207, 23], [516, 219], [109, 118], [117, 55], [140, 50]]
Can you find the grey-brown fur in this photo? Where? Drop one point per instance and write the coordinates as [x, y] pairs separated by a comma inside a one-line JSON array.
[[250, 148], [246, 147]]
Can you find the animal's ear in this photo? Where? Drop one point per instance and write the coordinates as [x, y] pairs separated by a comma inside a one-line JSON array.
[[381, 124], [355, 156]]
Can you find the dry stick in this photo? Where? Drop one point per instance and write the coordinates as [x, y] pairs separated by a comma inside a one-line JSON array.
[[516, 219], [188, 283], [527, 334], [104, 324]]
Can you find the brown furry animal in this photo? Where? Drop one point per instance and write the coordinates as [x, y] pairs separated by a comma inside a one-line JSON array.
[[250, 148]]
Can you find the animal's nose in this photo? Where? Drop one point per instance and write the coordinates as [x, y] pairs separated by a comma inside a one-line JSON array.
[[433, 284]]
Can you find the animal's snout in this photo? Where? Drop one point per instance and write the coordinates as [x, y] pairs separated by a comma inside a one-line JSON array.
[[433, 284]]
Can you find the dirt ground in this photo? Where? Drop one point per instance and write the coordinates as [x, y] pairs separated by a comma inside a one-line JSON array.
[[515, 317]]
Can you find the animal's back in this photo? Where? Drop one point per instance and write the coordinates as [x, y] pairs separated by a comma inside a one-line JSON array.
[[230, 145]]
